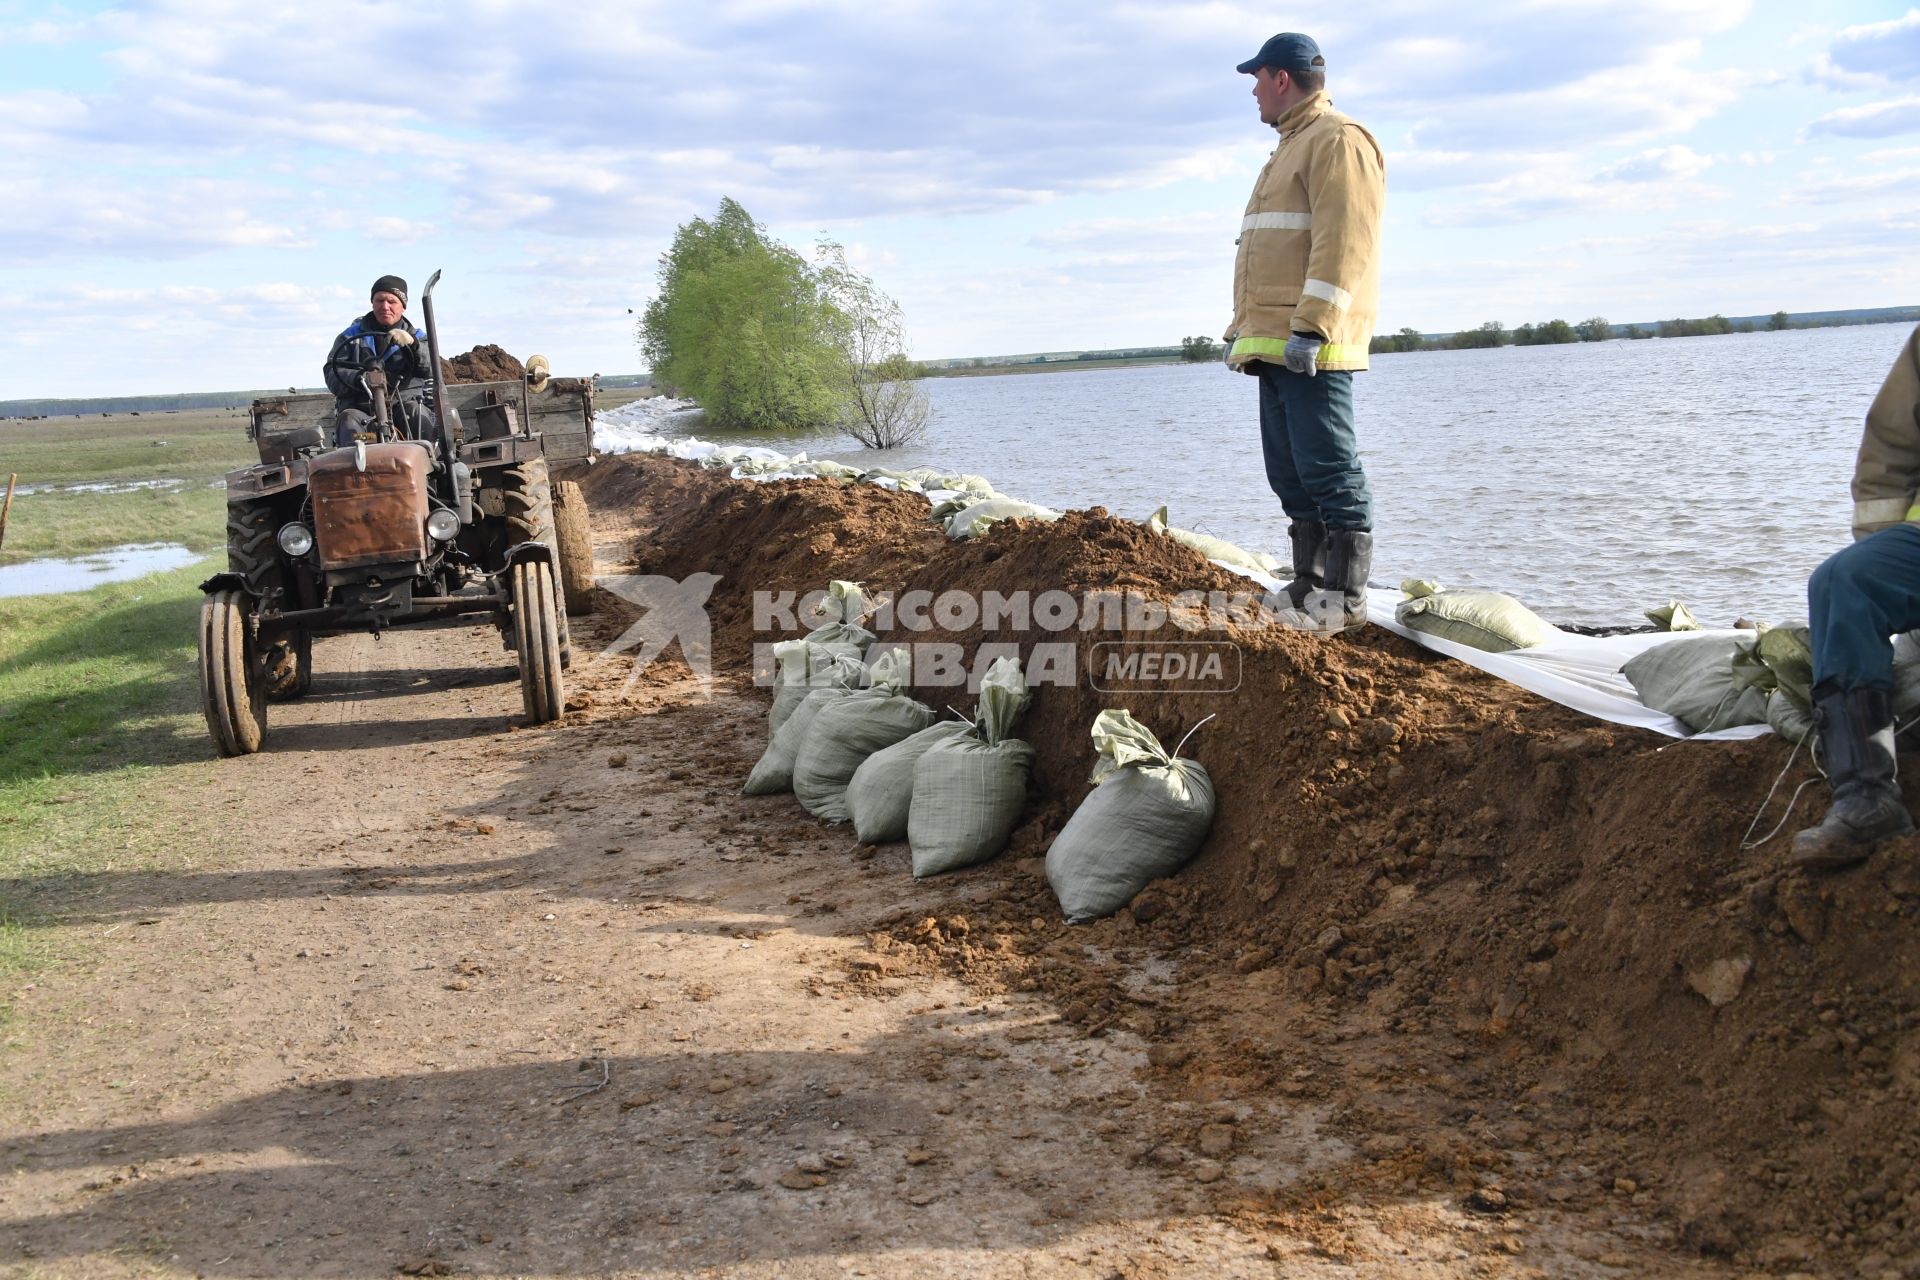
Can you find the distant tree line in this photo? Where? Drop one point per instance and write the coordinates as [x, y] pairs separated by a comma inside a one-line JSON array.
[[1600, 329]]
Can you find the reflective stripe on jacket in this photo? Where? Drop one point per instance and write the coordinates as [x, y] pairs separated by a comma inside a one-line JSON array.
[[1886, 476], [1309, 259]]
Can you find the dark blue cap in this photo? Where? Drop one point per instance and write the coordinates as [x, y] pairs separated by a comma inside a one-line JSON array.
[[1288, 51]]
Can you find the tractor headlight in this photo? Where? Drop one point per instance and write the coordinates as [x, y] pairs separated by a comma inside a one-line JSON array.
[[295, 539], [443, 525]]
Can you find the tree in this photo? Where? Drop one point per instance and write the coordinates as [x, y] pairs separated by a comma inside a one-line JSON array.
[[739, 325], [1409, 340], [875, 381], [1777, 321], [1490, 334], [1594, 329], [1199, 350]]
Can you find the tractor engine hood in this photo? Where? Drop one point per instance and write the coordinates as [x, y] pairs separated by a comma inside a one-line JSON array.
[[371, 515]]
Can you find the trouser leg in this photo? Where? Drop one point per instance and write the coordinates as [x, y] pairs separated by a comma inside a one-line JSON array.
[[350, 423], [1276, 450], [1316, 417], [1857, 600]]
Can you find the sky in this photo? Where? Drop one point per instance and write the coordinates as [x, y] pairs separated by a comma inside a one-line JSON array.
[[198, 193]]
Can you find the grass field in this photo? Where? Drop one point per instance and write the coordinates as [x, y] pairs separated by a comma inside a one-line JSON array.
[[192, 450], [98, 692]]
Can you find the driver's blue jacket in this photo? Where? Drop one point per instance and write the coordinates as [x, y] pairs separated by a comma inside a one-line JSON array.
[[365, 343]]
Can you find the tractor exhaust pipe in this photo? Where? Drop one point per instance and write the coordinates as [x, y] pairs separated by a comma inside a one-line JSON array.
[[439, 371]]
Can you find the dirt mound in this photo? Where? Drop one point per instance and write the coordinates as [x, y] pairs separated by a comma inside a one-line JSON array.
[[1519, 953], [485, 363]]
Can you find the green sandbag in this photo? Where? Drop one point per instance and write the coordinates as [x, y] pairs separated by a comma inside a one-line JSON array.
[[1484, 620], [1215, 548], [846, 732], [1694, 681], [1144, 819], [1794, 723], [880, 794], [801, 666], [968, 790], [773, 773]]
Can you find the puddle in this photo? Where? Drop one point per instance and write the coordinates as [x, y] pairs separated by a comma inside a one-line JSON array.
[[116, 564], [101, 486]]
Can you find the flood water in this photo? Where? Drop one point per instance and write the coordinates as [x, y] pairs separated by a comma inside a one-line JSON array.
[[116, 564], [1592, 481]]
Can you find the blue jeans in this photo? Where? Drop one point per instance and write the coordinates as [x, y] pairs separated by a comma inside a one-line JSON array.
[[1306, 437], [1856, 600]]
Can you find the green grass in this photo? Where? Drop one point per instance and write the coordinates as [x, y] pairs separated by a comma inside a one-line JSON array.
[[66, 523], [196, 449], [200, 443], [99, 695]]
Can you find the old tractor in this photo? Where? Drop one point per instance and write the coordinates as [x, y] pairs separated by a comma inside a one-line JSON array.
[[401, 527]]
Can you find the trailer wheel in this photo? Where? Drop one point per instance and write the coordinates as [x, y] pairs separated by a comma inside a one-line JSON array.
[[573, 538], [536, 634], [233, 687], [290, 666]]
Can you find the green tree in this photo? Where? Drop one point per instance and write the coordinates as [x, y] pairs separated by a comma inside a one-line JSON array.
[[1777, 321], [1409, 340], [875, 381], [1199, 350], [1594, 329], [740, 325], [1490, 334]]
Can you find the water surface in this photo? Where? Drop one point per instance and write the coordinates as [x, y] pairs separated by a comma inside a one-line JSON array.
[[1593, 481]]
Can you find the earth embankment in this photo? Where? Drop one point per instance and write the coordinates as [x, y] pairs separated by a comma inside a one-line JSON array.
[[1535, 937]]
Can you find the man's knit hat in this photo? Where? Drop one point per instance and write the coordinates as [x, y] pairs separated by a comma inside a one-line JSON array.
[[390, 284]]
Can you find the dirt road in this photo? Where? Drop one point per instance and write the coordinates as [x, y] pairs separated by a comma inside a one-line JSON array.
[[458, 997]]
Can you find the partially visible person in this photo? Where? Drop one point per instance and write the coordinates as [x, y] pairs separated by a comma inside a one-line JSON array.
[[385, 338], [1306, 287], [1856, 601]]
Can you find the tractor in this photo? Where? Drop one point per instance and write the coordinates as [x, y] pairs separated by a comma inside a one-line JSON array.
[[407, 525]]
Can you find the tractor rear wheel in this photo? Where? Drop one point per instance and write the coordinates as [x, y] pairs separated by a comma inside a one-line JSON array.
[[573, 537], [290, 666], [536, 635], [233, 687]]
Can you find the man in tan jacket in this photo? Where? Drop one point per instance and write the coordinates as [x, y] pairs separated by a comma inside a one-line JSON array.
[[1856, 600], [1306, 285]]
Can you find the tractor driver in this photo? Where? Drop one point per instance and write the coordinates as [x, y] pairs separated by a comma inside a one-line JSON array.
[[385, 338]]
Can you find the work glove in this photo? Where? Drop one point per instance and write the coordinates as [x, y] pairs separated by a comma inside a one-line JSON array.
[[401, 338], [1303, 352]]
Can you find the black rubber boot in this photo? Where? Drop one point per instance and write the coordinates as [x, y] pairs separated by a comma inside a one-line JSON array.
[[1856, 737], [1309, 539], [1340, 603]]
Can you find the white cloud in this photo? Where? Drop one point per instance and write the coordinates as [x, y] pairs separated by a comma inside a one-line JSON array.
[[1890, 50], [1663, 164], [1875, 120]]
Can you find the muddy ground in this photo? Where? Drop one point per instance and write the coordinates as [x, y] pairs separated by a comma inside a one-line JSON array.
[[462, 997]]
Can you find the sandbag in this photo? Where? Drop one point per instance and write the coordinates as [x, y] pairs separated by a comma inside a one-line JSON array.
[[880, 793], [1673, 616], [1694, 681], [976, 518], [1790, 721], [801, 666], [1484, 620], [1144, 819], [968, 790], [773, 772], [1217, 549], [847, 731]]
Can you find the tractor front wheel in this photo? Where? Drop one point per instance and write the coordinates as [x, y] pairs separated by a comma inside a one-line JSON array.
[[536, 636], [233, 687]]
